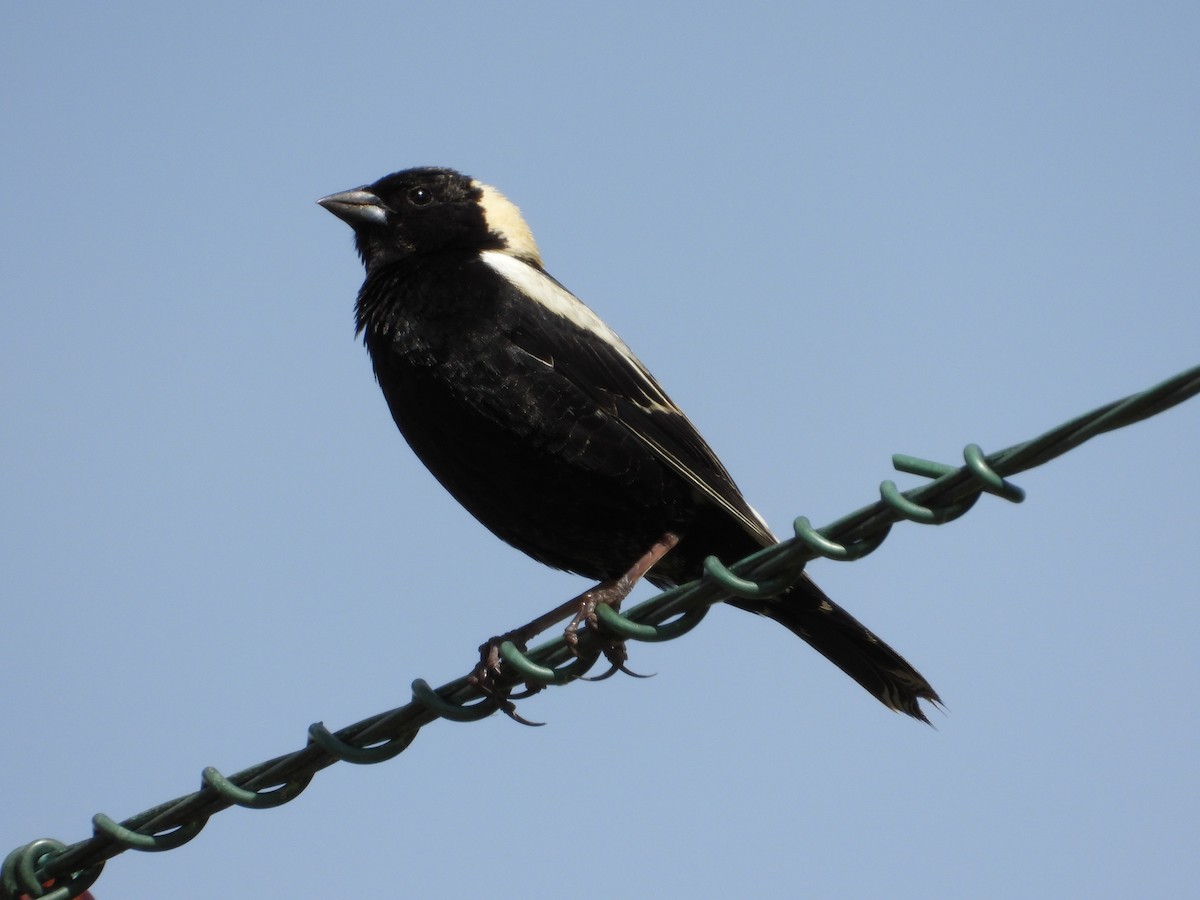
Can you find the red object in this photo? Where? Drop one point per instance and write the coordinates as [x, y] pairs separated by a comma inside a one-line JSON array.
[[86, 895]]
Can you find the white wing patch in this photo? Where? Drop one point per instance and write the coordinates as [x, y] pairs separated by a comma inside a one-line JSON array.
[[544, 290]]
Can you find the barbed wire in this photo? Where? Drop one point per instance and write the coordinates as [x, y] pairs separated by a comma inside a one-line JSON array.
[[70, 870]]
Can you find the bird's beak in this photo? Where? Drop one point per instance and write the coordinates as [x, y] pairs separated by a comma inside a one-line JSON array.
[[356, 208]]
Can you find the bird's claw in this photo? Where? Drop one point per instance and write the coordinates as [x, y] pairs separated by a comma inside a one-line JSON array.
[[510, 709], [487, 677], [612, 648], [613, 669]]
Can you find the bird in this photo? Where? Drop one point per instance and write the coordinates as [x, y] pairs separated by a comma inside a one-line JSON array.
[[540, 421]]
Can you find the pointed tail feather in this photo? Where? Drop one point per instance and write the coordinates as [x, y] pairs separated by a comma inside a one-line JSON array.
[[848, 644]]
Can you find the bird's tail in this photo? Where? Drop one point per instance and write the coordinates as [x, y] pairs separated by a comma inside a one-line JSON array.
[[805, 611]]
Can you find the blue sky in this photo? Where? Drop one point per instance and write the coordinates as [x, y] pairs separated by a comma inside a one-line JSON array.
[[834, 232]]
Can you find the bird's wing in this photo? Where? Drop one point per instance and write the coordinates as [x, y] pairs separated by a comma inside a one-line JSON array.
[[589, 354]]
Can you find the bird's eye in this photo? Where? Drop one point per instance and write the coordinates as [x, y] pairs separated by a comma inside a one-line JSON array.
[[420, 196]]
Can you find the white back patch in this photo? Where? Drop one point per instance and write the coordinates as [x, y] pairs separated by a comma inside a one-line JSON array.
[[545, 290]]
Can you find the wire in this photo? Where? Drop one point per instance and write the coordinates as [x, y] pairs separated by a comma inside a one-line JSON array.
[[70, 870]]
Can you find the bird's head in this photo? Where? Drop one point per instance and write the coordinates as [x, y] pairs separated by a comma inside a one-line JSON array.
[[426, 210]]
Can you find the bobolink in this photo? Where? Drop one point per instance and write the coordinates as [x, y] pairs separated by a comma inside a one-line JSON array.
[[541, 421]]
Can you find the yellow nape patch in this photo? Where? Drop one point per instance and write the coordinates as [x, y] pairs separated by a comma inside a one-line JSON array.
[[503, 218]]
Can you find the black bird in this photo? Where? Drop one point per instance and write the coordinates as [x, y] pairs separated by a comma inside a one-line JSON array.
[[544, 425]]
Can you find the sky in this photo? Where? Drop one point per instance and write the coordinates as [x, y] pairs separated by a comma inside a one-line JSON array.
[[834, 232]]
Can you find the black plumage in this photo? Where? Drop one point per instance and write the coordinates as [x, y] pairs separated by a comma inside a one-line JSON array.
[[542, 422]]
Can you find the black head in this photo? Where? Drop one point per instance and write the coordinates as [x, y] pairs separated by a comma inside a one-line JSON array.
[[427, 210]]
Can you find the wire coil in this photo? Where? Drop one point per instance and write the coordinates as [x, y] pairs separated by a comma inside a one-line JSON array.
[[952, 492]]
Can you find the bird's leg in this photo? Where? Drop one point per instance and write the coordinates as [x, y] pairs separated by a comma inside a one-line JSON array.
[[582, 609], [613, 593], [489, 651]]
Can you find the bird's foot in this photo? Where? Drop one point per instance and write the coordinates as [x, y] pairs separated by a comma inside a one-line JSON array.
[[488, 677], [614, 650], [614, 593]]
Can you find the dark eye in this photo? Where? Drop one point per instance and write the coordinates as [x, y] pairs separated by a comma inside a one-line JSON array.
[[420, 196]]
